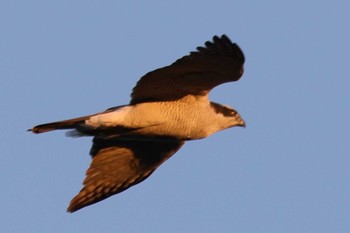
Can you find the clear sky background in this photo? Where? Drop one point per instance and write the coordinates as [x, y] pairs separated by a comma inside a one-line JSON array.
[[288, 171]]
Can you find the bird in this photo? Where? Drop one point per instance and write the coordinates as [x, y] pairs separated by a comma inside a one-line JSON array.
[[168, 107]]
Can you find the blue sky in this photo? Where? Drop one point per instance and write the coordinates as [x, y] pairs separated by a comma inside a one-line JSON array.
[[288, 171]]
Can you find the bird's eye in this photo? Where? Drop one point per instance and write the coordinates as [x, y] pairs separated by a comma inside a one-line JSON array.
[[233, 112]]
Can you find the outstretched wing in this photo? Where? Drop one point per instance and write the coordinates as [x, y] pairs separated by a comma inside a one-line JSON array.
[[118, 164], [217, 62]]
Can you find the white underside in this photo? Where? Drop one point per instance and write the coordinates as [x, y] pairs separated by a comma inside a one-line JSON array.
[[183, 119], [114, 118]]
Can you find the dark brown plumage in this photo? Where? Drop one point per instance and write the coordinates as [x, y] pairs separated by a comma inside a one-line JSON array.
[[118, 164], [219, 62]]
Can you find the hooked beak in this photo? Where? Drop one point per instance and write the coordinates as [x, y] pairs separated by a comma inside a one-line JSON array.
[[240, 121]]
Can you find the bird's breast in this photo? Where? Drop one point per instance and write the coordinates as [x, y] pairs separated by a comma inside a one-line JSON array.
[[172, 119]]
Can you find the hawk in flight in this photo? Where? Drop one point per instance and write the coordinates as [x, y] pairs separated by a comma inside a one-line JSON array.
[[168, 106]]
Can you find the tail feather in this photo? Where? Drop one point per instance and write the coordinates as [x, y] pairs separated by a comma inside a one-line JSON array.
[[66, 124]]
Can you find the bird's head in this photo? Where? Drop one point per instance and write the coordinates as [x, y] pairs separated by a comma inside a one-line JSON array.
[[228, 116]]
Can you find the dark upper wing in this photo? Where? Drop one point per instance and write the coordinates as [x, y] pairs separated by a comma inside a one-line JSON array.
[[117, 164], [217, 62]]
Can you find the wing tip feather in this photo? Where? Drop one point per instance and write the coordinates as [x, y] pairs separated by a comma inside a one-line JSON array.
[[221, 45]]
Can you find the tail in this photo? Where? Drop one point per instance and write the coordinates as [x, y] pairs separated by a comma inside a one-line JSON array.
[[67, 124]]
